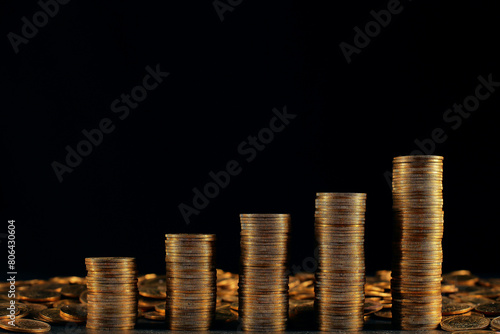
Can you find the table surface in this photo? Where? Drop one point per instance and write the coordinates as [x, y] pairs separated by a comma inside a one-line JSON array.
[[154, 327]]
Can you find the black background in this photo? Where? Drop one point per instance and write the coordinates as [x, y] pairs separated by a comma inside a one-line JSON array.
[[225, 79]]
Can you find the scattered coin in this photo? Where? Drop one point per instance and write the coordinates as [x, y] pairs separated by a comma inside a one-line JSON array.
[[34, 309], [25, 326], [153, 315], [456, 308], [495, 323], [53, 316], [160, 308], [464, 322], [386, 314], [38, 295], [74, 312], [73, 290], [83, 297], [490, 309]]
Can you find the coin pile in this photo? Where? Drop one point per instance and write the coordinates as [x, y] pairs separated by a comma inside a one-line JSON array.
[[191, 281], [112, 293], [340, 278], [263, 281], [417, 191]]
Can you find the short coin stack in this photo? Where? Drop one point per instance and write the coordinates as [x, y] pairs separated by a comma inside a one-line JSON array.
[[263, 282], [191, 281], [417, 191], [112, 293], [340, 278]]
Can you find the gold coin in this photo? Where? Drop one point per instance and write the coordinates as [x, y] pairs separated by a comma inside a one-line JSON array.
[[490, 309], [34, 309], [154, 292], [456, 308], [464, 322], [62, 302], [160, 308], [495, 323], [74, 312], [386, 314], [5, 313], [53, 316], [73, 290], [33, 295], [25, 326], [83, 297], [153, 315]]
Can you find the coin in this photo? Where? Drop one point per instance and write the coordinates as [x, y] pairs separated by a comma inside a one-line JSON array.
[[73, 290], [53, 316], [74, 312], [456, 308], [190, 283], [112, 302], [464, 322], [262, 302], [153, 315], [36, 295], [490, 309], [25, 326], [34, 309], [417, 251], [340, 278], [495, 323]]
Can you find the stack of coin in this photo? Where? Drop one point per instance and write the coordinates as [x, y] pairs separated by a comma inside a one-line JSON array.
[[191, 281], [417, 191], [112, 293], [340, 278], [263, 284]]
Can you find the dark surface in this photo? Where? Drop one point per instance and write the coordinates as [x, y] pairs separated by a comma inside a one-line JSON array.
[[225, 79], [146, 327]]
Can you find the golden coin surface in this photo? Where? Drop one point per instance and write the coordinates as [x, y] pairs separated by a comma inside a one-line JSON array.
[[160, 308], [495, 323], [456, 308], [35, 295], [53, 316], [464, 322], [490, 309], [25, 326], [34, 309], [153, 315], [76, 312]]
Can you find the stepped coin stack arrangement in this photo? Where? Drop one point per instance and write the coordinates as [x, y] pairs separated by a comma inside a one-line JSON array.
[[340, 278], [191, 281], [112, 293], [263, 283], [417, 190]]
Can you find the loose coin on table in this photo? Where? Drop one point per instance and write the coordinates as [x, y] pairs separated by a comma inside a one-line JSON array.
[[25, 326], [464, 322]]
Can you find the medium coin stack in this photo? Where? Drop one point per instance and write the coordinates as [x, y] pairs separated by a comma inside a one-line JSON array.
[[191, 281], [112, 293], [263, 281], [340, 278], [417, 191]]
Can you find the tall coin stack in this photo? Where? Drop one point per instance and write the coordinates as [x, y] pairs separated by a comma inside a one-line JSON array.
[[417, 191], [263, 281], [112, 293], [340, 278], [191, 281]]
